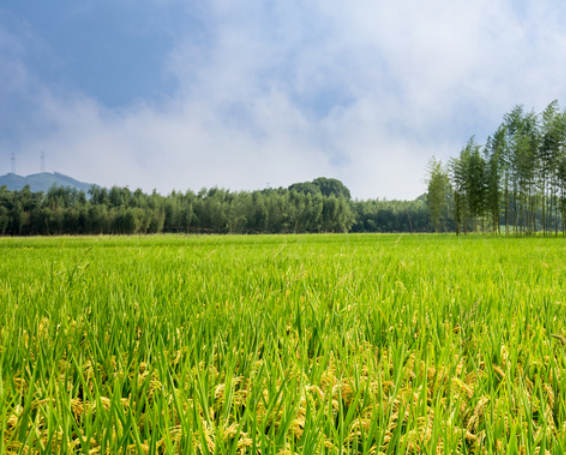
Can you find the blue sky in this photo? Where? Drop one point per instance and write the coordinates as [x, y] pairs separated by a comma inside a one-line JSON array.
[[115, 52], [175, 94]]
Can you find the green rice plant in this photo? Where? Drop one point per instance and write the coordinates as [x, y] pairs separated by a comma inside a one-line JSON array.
[[351, 344]]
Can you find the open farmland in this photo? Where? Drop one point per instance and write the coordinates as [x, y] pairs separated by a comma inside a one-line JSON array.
[[361, 344]]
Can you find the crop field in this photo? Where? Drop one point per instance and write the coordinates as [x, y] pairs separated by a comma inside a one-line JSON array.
[[328, 344]]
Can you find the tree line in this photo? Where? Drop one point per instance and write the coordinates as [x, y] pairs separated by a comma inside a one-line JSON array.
[[323, 205], [514, 184]]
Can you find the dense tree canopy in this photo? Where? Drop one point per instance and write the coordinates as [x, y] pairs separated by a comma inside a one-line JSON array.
[[323, 205], [324, 186]]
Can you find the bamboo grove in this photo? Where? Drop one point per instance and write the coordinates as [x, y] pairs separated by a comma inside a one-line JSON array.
[[514, 184]]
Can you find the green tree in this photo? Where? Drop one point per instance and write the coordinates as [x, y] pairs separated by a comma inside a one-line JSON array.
[[438, 193]]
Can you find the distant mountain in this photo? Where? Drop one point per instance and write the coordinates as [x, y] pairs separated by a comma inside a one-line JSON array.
[[41, 182]]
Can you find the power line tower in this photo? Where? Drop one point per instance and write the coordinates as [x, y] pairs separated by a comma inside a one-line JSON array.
[[13, 163], [42, 162]]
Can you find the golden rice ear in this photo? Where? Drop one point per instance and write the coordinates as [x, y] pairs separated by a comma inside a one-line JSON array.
[[560, 338]]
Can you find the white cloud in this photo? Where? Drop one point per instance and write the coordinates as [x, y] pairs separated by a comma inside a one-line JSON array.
[[290, 91]]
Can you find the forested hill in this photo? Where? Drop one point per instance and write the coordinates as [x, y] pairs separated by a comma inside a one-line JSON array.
[[41, 182], [323, 205]]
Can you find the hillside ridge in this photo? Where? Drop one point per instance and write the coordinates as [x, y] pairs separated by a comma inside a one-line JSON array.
[[42, 181]]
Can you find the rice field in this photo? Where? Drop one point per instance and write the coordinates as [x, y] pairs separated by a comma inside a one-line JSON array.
[[320, 344]]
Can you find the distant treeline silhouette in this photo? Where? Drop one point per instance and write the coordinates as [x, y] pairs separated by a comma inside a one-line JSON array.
[[323, 205]]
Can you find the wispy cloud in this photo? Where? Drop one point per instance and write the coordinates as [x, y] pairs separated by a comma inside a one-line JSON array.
[[287, 91]]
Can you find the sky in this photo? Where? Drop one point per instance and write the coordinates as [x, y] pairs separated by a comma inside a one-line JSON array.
[[249, 94]]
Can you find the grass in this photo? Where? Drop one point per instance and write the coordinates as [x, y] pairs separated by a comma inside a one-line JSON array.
[[362, 344]]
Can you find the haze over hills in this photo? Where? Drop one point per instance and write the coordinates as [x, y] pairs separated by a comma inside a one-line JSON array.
[[42, 181]]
